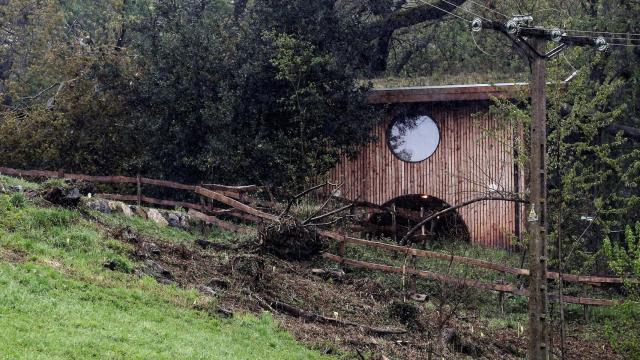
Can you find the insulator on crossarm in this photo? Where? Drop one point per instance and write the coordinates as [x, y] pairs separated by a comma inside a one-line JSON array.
[[512, 27], [601, 43], [476, 25], [556, 35]]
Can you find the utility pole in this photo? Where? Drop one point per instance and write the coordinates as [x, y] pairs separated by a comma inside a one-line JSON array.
[[538, 322], [532, 42]]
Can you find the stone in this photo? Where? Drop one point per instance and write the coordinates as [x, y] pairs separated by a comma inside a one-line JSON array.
[[174, 220], [126, 210], [113, 205], [139, 211], [156, 217], [120, 207], [419, 297], [178, 220], [15, 188], [63, 197], [100, 205]]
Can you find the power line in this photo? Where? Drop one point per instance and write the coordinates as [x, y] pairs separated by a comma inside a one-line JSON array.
[[587, 32], [602, 32], [443, 10], [629, 45], [464, 9], [488, 8], [473, 36]]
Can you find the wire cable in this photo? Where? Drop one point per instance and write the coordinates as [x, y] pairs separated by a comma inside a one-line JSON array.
[[599, 33], [628, 45], [464, 9], [488, 8], [478, 46], [443, 10], [602, 32], [567, 61]]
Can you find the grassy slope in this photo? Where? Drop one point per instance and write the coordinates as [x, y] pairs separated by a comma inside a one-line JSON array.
[[59, 302]]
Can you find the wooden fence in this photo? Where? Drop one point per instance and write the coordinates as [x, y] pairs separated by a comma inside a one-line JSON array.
[[232, 196], [413, 272], [227, 195]]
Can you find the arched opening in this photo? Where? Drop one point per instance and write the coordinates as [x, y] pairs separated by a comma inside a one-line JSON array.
[[409, 210]]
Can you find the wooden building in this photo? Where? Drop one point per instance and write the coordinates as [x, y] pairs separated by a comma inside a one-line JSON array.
[[441, 143]]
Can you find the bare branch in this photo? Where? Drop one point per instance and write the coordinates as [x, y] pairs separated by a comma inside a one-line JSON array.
[[455, 207]]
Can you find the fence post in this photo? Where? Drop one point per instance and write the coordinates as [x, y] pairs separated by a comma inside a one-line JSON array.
[[203, 205], [341, 246], [394, 225], [424, 230], [139, 188], [585, 307], [413, 277]]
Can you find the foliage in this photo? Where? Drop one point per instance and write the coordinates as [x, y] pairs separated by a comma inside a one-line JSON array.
[[624, 258], [183, 91], [621, 328]]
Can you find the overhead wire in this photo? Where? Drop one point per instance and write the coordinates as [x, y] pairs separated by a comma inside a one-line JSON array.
[[473, 37], [465, 9], [443, 10], [628, 45], [600, 33], [488, 8]]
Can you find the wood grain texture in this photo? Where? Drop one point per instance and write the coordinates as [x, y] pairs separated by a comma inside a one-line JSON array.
[[475, 151]]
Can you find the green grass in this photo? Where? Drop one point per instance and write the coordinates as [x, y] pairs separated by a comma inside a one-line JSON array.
[[60, 302], [44, 315], [149, 229], [12, 181], [620, 327]]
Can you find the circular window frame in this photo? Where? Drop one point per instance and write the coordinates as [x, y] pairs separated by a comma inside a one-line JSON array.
[[397, 118]]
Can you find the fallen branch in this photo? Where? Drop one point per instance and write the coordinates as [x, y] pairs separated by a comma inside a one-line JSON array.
[[307, 315], [237, 189], [225, 225], [419, 225], [298, 196], [326, 202], [585, 279], [320, 217], [233, 203]]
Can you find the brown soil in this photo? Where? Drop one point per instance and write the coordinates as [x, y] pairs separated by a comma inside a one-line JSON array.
[[12, 256], [244, 280]]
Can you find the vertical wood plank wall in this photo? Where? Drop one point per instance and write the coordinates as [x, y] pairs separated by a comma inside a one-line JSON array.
[[463, 166]]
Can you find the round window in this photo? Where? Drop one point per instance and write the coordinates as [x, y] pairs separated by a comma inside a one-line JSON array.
[[414, 138]]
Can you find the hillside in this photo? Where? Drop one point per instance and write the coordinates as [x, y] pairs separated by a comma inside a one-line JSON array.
[[59, 300], [79, 283]]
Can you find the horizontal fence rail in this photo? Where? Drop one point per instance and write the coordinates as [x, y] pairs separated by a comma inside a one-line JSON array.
[[475, 262], [225, 196], [505, 288]]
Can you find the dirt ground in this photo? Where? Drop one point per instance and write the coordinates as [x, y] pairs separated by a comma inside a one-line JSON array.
[[244, 280]]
